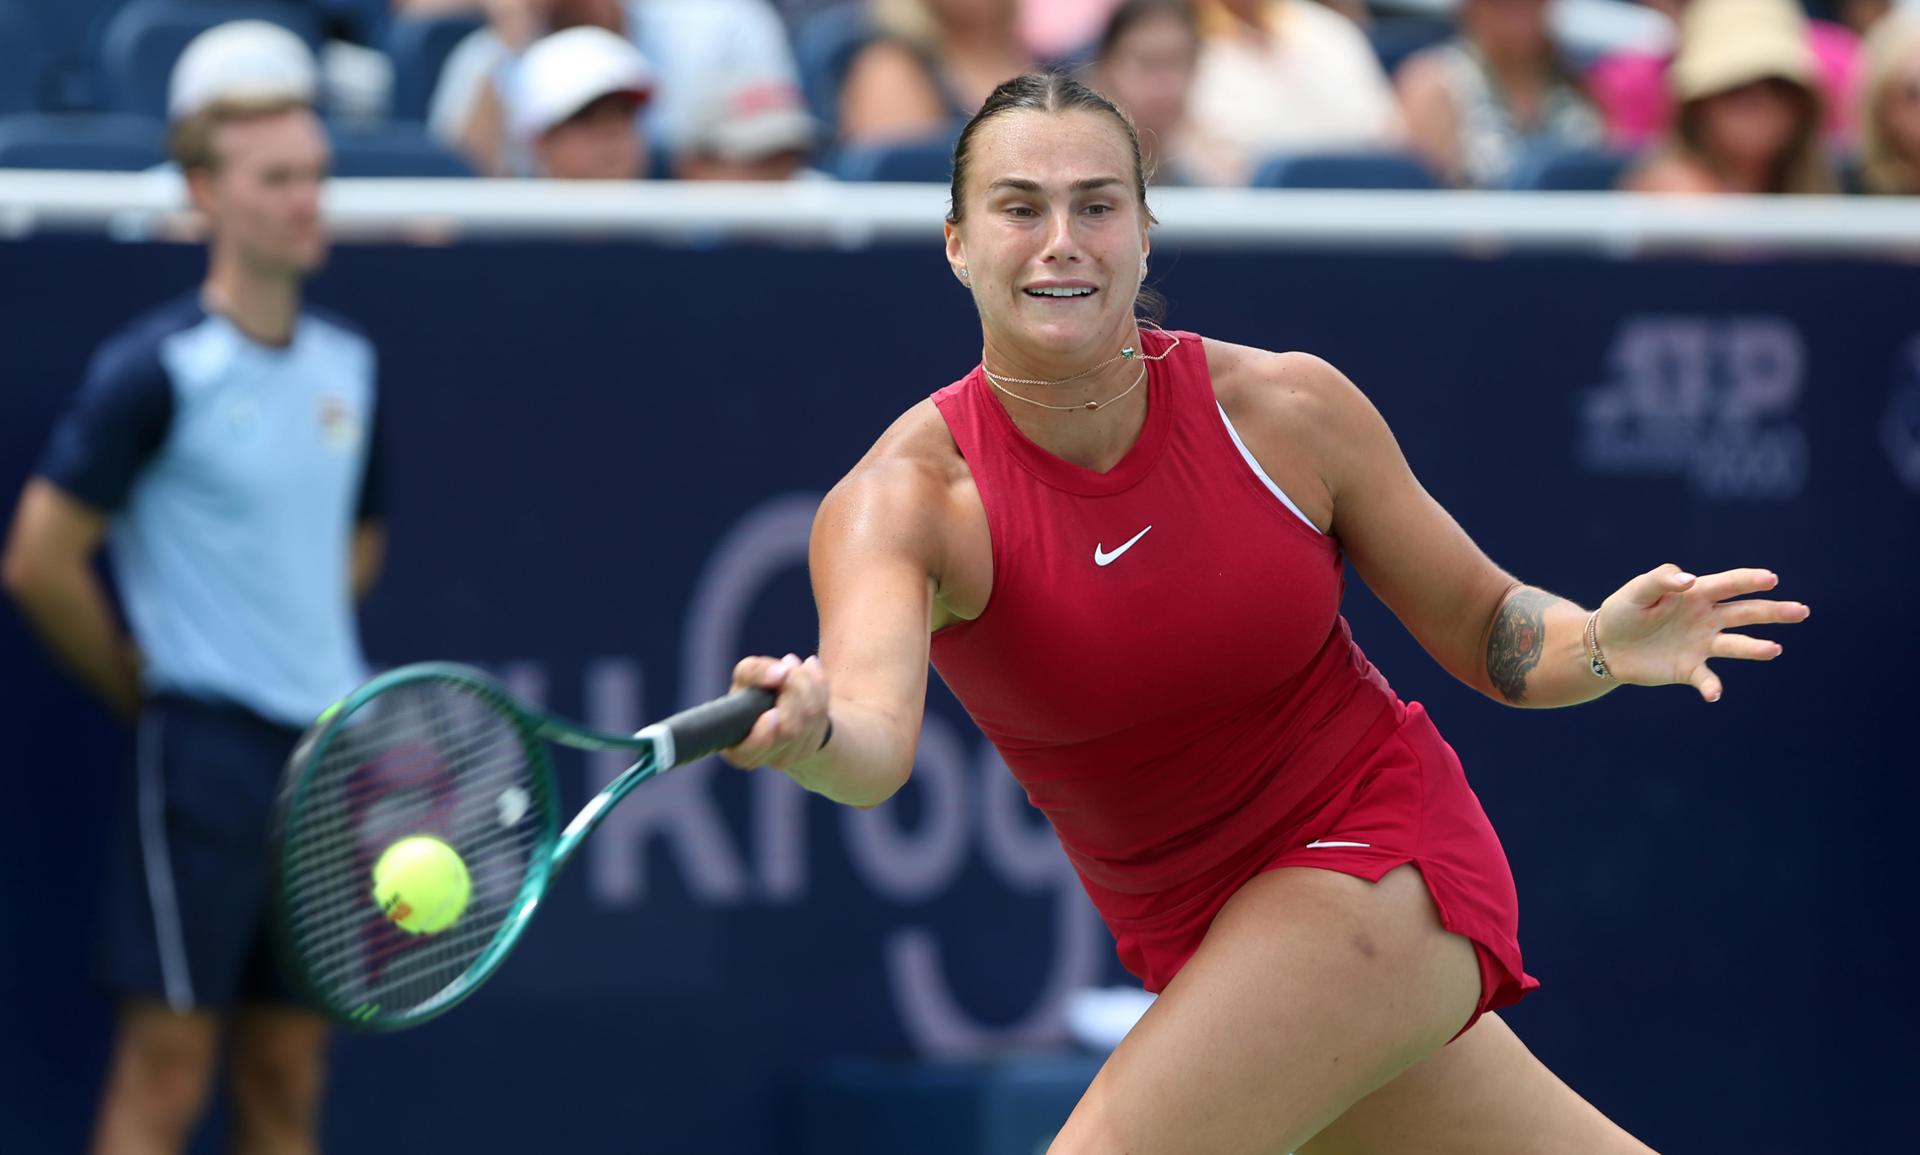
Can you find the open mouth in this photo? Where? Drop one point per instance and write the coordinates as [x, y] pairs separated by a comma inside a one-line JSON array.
[[1062, 292]]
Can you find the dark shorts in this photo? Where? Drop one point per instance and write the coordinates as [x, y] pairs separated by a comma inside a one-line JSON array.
[[184, 917]]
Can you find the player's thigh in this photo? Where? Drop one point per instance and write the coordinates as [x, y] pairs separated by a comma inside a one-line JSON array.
[[1485, 1094], [1310, 990]]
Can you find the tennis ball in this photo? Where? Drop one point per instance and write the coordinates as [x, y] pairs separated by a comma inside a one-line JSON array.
[[422, 884]]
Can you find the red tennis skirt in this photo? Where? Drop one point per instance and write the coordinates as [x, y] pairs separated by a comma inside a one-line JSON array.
[[1405, 800]]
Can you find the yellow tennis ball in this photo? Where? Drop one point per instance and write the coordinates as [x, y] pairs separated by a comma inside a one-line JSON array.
[[422, 884]]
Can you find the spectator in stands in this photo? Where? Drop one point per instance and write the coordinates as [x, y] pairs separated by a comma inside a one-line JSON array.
[[746, 127], [241, 60], [1060, 30], [694, 45], [468, 111], [1146, 66], [686, 42], [1749, 111], [1278, 76], [1636, 97], [1474, 103], [1890, 108], [1861, 16], [574, 101], [928, 67]]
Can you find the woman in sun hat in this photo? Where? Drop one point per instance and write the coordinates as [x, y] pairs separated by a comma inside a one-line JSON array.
[[1749, 109]]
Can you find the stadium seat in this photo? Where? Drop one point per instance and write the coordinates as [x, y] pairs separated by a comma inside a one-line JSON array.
[[22, 61], [1350, 170], [1565, 170], [396, 150], [928, 159], [69, 35], [101, 142], [143, 39], [1394, 38], [824, 45], [359, 21], [419, 49]]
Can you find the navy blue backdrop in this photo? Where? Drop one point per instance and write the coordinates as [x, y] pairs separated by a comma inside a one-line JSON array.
[[604, 457]]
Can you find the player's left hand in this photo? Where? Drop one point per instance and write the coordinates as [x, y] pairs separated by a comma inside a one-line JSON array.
[[1661, 628]]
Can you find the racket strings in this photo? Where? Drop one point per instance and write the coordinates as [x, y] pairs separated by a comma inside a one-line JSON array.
[[435, 757]]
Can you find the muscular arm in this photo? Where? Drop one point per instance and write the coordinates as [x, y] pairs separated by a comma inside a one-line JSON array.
[[877, 544], [48, 572], [1514, 643], [1536, 651]]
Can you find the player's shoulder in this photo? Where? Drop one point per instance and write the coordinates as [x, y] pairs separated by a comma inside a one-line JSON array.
[[906, 480], [131, 357], [1244, 375], [916, 455], [334, 326]]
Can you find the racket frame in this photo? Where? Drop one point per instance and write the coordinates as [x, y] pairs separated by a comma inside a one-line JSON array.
[[553, 847]]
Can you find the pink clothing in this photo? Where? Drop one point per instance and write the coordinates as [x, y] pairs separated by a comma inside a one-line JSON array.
[[1055, 28], [1631, 88]]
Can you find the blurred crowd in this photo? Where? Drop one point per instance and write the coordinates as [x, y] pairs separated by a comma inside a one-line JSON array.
[[1700, 96]]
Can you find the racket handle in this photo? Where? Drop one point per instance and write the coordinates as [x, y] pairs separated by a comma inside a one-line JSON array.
[[698, 731]]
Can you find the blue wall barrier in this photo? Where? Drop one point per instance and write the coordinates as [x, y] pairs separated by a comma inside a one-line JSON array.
[[605, 458]]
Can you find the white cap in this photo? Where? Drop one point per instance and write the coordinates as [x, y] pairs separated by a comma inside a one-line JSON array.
[[242, 59], [563, 73], [748, 117]]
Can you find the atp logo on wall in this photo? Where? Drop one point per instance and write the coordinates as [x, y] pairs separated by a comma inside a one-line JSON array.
[[1713, 400], [1900, 424]]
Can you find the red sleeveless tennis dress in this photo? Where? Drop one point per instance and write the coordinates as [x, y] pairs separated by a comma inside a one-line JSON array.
[[1163, 665]]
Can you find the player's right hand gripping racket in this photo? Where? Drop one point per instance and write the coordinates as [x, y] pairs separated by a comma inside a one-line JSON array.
[[443, 751]]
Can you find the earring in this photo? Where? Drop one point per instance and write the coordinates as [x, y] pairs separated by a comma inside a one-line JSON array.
[[1143, 269], [966, 278]]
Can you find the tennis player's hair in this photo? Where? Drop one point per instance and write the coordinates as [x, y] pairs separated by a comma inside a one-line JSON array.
[[191, 141], [1055, 93]]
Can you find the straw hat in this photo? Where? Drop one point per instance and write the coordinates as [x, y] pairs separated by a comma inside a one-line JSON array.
[[1726, 44]]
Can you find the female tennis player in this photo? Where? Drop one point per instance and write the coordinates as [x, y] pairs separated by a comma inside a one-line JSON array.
[[1122, 549]]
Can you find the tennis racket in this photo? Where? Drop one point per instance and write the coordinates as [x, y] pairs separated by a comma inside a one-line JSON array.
[[441, 750]]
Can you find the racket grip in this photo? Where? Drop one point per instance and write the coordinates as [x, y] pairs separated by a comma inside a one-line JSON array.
[[700, 730]]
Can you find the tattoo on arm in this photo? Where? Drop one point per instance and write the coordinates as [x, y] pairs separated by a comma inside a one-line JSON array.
[[1518, 638]]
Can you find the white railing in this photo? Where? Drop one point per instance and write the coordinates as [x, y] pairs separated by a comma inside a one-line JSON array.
[[824, 212]]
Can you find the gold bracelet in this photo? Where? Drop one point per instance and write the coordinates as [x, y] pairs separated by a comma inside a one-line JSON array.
[[1596, 661]]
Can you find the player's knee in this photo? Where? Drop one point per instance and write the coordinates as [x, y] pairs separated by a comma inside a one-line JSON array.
[[279, 1078], [169, 1072]]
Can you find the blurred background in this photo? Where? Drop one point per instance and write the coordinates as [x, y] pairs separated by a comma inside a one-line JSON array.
[[641, 296]]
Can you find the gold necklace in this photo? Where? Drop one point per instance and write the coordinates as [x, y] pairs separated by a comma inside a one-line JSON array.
[[1072, 408], [1126, 354]]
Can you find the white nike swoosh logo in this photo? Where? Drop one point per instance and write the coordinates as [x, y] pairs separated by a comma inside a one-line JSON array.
[[1102, 557], [1326, 843]]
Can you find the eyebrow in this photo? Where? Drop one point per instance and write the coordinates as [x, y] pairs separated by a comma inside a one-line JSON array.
[[1020, 184]]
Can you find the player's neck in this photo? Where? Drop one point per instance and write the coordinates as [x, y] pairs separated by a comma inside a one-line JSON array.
[[264, 307]]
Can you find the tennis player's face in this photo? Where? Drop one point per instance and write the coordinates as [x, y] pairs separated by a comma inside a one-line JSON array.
[[1052, 234], [265, 195]]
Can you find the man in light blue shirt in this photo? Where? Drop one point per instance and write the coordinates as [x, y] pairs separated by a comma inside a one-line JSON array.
[[225, 448]]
